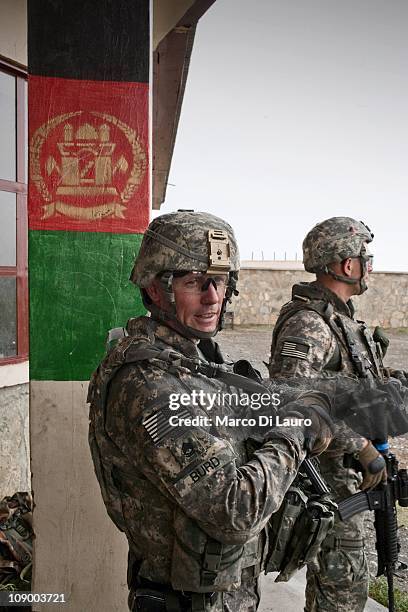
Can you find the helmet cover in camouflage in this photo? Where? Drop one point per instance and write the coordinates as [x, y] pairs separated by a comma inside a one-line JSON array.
[[334, 240], [179, 241]]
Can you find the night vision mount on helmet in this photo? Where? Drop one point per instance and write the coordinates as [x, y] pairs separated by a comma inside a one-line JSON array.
[[185, 241], [335, 240]]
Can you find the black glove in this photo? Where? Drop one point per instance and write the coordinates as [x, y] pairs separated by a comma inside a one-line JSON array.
[[373, 464]]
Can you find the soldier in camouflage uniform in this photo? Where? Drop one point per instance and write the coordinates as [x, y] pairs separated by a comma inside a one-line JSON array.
[[316, 336], [192, 503]]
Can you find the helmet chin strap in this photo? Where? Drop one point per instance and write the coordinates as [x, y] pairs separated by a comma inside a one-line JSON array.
[[185, 330], [170, 316], [351, 280]]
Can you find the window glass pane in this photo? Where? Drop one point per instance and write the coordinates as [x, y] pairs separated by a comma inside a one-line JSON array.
[[7, 229], [8, 327], [25, 131], [7, 127]]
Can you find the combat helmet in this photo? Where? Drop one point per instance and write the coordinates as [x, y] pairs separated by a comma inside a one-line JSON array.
[[185, 241], [335, 240]]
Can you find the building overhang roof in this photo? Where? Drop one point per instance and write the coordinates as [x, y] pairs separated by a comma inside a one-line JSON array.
[[171, 60]]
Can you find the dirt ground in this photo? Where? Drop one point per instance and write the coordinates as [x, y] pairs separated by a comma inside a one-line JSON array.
[[254, 344]]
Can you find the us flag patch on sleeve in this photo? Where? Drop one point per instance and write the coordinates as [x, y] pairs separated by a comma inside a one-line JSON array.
[[158, 427], [294, 347]]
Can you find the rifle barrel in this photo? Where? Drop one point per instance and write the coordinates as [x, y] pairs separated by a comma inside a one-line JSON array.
[[390, 585]]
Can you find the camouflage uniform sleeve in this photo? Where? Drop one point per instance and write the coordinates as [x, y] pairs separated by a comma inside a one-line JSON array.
[[304, 347], [193, 467]]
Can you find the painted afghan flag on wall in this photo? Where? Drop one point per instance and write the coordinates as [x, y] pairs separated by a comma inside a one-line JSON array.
[[89, 187], [88, 155]]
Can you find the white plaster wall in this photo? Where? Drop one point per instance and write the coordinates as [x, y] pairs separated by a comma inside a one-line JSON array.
[[78, 550], [13, 30], [14, 374], [14, 440]]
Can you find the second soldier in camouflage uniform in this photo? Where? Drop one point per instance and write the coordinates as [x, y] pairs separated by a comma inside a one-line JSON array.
[[192, 503], [316, 336]]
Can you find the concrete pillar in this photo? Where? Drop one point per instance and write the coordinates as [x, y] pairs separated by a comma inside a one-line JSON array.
[[89, 202]]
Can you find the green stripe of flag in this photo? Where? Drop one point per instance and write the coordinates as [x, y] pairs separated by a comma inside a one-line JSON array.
[[79, 289]]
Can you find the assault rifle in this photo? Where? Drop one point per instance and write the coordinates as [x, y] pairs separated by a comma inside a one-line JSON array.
[[382, 500]]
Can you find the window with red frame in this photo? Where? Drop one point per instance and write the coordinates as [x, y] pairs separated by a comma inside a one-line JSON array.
[[13, 214]]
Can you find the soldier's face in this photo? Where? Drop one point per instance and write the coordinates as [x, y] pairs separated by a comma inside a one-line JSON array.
[[353, 268], [198, 309], [369, 259], [357, 264]]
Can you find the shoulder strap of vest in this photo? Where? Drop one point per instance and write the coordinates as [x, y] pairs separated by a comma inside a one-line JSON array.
[[210, 370], [353, 352], [299, 303], [322, 308], [374, 349], [361, 366]]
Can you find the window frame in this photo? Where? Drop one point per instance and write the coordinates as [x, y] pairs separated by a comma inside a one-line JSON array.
[[20, 188]]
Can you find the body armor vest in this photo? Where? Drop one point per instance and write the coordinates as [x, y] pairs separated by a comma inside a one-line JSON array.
[[199, 563], [356, 352]]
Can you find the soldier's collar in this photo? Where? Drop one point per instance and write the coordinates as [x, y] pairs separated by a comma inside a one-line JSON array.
[[340, 306], [154, 330], [181, 344], [316, 291]]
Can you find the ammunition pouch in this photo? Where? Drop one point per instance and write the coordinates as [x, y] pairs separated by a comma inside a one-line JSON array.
[[203, 565], [381, 339], [333, 543], [298, 530]]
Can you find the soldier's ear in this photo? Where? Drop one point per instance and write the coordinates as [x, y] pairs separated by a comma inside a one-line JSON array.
[[347, 266], [155, 293]]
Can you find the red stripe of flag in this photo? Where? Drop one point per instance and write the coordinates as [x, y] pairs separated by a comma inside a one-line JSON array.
[[88, 155]]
